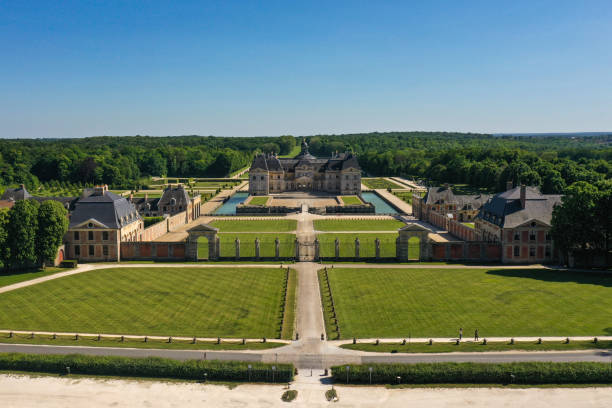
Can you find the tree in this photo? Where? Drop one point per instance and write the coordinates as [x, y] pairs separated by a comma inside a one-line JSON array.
[[4, 250], [573, 222], [52, 226], [22, 228], [286, 144]]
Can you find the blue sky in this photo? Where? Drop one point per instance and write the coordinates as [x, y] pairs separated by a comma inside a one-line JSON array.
[[83, 68]]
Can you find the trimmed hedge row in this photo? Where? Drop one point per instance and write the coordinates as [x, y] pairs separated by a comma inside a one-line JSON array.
[[147, 367], [477, 373]]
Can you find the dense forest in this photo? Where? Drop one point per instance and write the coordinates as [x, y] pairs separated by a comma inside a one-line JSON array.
[[483, 161]]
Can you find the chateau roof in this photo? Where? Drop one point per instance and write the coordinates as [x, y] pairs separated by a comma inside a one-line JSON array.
[[437, 195], [177, 194], [108, 209], [16, 194], [273, 163], [505, 209]]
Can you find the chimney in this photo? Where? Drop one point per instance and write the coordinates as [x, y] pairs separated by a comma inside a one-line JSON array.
[[523, 191], [131, 197], [100, 190], [446, 185], [508, 185], [22, 186], [146, 196]]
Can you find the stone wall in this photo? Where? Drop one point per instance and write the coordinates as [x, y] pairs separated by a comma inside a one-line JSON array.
[[153, 251]]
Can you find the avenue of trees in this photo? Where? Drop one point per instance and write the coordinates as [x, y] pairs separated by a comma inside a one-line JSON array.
[[31, 233]]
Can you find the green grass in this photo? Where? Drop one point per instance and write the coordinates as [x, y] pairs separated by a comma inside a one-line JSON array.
[[255, 225], [9, 278], [406, 196], [464, 347], [351, 200], [203, 302], [141, 194], [92, 341], [294, 152], [357, 225], [465, 189], [290, 306], [437, 302], [366, 244], [378, 183], [247, 244], [258, 200], [469, 224]]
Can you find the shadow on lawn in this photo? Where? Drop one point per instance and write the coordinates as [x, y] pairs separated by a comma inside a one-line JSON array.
[[587, 278]]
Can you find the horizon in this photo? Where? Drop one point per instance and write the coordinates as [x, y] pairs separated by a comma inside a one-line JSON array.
[[77, 69], [518, 134]]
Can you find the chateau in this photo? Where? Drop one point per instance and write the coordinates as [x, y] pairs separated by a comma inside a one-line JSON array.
[[271, 174]]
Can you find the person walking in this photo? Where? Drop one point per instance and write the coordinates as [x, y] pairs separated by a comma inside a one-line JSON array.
[[460, 333], [476, 335]]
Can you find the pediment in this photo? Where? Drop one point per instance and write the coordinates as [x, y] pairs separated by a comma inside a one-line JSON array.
[[90, 223], [203, 228], [414, 227]]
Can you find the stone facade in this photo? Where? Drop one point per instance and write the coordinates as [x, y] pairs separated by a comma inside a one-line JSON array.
[[339, 174], [174, 200], [520, 219], [442, 200], [98, 226]]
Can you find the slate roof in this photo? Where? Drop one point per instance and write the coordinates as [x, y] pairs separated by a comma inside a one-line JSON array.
[[141, 203], [108, 209], [16, 194], [269, 162], [178, 193], [506, 211], [437, 195], [468, 202]]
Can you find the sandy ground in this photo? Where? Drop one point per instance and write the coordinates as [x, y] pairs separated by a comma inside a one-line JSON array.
[[51, 392]]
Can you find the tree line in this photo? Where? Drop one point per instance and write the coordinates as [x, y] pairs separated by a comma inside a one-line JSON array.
[[31, 233], [484, 161]]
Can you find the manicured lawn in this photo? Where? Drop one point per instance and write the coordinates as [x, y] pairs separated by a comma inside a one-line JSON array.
[[447, 347], [203, 302], [10, 278], [247, 244], [437, 302], [376, 183], [351, 200], [404, 195], [255, 225], [357, 225], [258, 200], [469, 224], [92, 341], [367, 246]]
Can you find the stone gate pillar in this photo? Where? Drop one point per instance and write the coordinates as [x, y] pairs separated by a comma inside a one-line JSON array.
[[357, 248], [377, 247], [237, 245], [276, 248], [257, 248], [337, 248], [316, 246], [217, 249]]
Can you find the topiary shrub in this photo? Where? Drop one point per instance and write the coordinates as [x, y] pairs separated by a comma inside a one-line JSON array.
[[289, 395]]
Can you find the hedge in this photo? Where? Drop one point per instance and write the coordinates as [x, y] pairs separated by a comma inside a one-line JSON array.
[[147, 367], [477, 373], [69, 263]]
